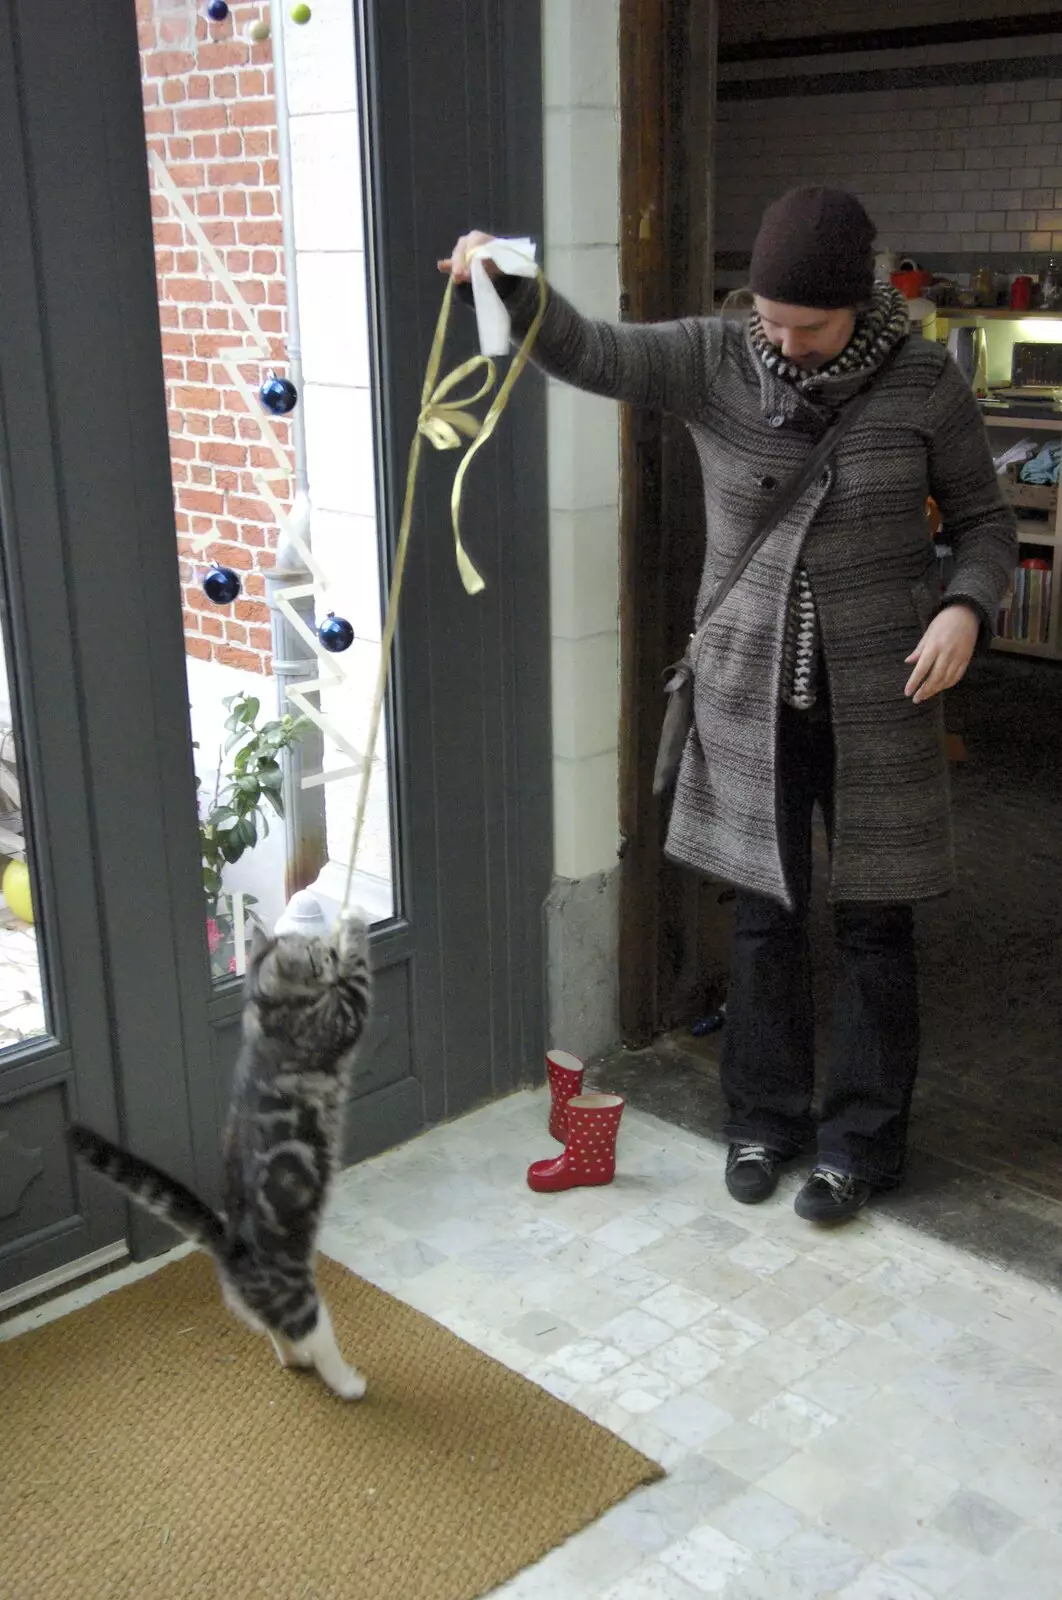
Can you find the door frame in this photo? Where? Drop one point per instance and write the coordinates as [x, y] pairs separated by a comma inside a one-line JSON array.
[[669, 922], [96, 318]]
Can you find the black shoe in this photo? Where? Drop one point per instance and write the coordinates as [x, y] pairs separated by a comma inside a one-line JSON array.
[[830, 1196], [752, 1172]]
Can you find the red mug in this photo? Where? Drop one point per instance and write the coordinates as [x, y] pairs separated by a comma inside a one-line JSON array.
[[1021, 294]]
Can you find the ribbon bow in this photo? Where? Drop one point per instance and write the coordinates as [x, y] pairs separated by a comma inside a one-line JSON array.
[[443, 422]]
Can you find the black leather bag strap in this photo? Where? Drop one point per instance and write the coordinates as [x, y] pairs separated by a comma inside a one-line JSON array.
[[678, 718], [799, 484]]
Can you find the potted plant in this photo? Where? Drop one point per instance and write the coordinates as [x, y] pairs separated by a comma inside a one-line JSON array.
[[238, 815]]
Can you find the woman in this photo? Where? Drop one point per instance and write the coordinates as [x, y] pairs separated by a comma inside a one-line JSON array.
[[818, 679]]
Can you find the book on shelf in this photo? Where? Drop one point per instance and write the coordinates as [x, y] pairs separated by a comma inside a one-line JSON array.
[[1025, 615]]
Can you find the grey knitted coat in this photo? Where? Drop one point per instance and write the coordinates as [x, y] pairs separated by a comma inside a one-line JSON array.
[[862, 535]]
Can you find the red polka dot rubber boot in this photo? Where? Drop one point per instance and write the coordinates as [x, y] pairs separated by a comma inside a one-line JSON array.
[[589, 1157], [565, 1073]]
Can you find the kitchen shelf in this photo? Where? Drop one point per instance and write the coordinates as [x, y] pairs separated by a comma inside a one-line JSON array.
[[1049, 423], [1025, 537], [1046, 534], [1023, 647]]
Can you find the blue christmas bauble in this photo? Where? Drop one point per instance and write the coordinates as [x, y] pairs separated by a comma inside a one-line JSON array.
[[221, 585], [217, 10], [278, 395], [335, 633]]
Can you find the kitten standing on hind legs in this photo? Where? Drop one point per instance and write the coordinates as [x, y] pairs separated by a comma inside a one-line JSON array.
[[306, 1005]]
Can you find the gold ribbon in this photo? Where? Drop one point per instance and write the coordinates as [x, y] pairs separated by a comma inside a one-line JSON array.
[[444, 422]]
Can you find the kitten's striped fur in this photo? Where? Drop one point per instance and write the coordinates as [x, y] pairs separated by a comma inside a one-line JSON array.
[[305, 1010]]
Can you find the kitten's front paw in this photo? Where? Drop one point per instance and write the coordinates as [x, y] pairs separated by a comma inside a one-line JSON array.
[[351, 1386], [352, 932]]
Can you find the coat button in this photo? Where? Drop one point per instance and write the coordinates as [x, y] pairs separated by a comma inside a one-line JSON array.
[[768, 482], [777, 422]]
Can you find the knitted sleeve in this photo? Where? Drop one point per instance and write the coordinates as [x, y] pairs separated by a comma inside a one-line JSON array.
[[667, 366], [979, 524]]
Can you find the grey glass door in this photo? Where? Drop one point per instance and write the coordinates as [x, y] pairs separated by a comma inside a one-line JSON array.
[[135, 1029], [55, 1029]]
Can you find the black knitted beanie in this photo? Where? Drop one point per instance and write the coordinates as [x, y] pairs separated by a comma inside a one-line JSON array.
[[814, 248]]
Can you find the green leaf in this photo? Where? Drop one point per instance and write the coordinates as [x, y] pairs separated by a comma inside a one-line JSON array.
[[232, 846], [250, 789]]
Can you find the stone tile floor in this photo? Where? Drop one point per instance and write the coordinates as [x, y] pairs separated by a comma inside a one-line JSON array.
[[866, 1414]]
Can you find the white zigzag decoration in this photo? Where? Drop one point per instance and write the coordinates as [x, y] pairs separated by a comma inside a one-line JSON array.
[[332, 671]]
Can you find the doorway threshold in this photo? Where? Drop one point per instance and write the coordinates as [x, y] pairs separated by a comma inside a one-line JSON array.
[[960, 1200], [62, 1277]]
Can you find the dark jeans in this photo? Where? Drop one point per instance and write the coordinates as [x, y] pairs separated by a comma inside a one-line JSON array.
[[768, 1070]]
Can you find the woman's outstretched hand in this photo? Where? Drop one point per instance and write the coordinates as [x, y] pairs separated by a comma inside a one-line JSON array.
[[458, 264]]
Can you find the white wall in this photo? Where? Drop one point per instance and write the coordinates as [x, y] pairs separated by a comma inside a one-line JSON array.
[[581, 93], [337, 397]]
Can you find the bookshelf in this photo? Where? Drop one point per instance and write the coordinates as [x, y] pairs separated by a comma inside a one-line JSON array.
[[1039, 532]]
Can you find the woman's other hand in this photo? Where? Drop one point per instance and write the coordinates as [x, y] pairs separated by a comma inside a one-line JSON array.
[[943, 653]]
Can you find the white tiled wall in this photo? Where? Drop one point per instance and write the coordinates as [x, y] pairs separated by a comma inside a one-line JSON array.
[[581, 90], [581, 59], [968, 167]]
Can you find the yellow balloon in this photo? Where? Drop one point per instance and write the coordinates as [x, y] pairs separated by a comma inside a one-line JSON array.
[[16, 887]]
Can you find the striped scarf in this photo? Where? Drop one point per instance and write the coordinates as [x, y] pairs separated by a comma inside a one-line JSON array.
[[877, 330]]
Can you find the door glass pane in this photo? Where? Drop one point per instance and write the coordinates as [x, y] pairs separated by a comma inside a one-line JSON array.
[[24, 1010], [235, 169]]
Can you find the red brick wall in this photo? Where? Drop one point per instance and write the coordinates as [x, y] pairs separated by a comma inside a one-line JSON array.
[[210, 115]]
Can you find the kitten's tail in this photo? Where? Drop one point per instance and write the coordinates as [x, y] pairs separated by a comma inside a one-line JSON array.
[[151, 1188]]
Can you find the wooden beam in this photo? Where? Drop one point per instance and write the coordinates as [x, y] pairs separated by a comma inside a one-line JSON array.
[[667, 81], [643, 203], [916, 37]]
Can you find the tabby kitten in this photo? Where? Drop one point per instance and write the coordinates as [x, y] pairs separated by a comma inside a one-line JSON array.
[[305, 1008]]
